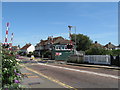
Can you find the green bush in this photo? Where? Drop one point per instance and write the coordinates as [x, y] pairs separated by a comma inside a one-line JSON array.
[[101, 51], [11, 75], [116, 52], [47, 54], [95, 51], [22, 53]]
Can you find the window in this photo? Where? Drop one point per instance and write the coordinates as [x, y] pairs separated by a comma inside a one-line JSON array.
[[62, 47], [57, 47]]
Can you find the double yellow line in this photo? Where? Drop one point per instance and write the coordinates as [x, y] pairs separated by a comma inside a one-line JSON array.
[[51, 79]]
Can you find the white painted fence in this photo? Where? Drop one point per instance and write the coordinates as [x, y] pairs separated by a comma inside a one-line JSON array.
[[97, 59]]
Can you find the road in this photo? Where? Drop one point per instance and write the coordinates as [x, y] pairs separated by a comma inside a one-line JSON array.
[[77, 76]]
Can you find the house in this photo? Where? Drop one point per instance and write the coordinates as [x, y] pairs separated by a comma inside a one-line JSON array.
[[62, 50], [109, 46], [51, 45], [15, 48], [117, 47], [27, 48], [96, 44], [46, 45]]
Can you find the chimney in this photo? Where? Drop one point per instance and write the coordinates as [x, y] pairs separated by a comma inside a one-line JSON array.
[[95, 42], [109, 43]]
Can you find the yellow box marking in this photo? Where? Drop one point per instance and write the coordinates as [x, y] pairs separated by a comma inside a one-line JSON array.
[[51, 79], [26, 73], [32, 76]]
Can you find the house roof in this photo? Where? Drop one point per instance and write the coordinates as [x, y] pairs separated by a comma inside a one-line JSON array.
[[110, 45], [65, 42], [118, 46], [15, 47], [25, 47], [44, 42], [97, 44], [55, 38]]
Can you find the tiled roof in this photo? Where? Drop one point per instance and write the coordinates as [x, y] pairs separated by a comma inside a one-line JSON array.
[[25, 47], [57, 38], [65, 42], [44, 42], [98, 45], [109, 45], [15, 46]]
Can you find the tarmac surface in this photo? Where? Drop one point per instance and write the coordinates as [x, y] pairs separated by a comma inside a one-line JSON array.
[[53, 75], [33, 80]]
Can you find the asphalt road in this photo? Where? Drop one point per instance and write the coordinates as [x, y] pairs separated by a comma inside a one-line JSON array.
[[77, 76]]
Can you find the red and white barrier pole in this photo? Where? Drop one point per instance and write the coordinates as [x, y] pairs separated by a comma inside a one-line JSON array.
[[12, 39], [6, 38]]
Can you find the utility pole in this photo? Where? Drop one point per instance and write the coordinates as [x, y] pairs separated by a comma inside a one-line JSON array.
[[70, 36], [70, 33]]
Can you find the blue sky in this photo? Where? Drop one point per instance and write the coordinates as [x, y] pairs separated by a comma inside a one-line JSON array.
[[31, 22]]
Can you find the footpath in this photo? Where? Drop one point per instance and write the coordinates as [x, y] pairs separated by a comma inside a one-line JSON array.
[[96, 66], [33, 80]]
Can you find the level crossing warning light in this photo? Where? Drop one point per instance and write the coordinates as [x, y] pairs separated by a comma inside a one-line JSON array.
[[69, 46], [6, 45]]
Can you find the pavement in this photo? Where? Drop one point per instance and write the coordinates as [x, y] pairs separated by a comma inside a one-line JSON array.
[[34, 80], [96, 66]]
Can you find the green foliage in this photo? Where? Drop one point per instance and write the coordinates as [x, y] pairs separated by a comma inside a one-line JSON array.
[[101, 51], [22, 53], [11, 75], [116, 52], [83, 42], [47, 54], [95, 51]]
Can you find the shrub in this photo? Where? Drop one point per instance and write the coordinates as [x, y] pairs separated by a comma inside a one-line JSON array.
[[22, 53], [47, 54], [116, 52], [11, 75]]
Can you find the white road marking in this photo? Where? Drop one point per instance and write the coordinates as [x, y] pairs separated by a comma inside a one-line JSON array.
[[83, 71]]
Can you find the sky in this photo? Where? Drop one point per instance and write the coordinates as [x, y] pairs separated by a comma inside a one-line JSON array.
[[32, 21]]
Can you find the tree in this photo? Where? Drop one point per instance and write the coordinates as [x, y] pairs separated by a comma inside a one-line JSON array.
[[83, 42], [116, 52], [97, 50]]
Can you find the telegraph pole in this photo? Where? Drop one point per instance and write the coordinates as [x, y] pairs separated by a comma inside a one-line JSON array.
[[70, 36], [70, 33]]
